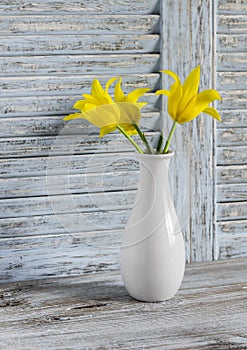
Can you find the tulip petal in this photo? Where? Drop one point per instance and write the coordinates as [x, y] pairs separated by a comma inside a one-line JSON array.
[[140, 105], [190, 88], [83, 105], [174, 99], [213, 112], [90, 99], [134, 95], [99, 94], [96, 90], [129, 113], [162, 92], [197, 104], [73, 116], [111, 81], [175, 94], [118, 92], [106, 130], [172, 74], [129, 129]]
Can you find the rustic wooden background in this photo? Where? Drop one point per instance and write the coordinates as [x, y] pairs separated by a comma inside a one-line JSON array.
[[63, 214]]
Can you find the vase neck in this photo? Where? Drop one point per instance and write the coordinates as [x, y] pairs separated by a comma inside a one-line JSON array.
[[154, 170]]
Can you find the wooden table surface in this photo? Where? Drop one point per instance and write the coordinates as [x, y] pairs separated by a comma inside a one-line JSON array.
[[95, 312]]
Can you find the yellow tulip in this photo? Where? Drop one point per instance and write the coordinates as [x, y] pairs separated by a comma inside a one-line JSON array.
[[98, 97], [184, 101], [133, 96], [102, 111]]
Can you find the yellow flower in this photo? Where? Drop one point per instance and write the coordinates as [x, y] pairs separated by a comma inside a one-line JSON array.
[[184, 101], [102, 111], [132, 96]]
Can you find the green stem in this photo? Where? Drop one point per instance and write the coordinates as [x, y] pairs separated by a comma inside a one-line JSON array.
[[159, 144], [143, 138], [129, 138], [166, 148]]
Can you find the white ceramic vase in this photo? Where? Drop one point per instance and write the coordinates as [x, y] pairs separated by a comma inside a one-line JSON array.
[[152, 250]]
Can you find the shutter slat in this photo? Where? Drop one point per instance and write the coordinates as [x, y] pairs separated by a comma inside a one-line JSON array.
[[78, 44], [132, 63], [77, 24], [70, 85]]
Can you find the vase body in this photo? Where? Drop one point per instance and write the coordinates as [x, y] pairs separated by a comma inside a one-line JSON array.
[[152, 250]]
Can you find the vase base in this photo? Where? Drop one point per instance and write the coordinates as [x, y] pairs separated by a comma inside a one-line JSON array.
[[146, 300]]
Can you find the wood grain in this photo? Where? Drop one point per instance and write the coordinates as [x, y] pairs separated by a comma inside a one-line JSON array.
[[187, 35], [76, 7], [232, 155], [78, 44], [21, 187], [54, 125], [228, 81], [233, 118], [232, 136], [87, 142], [231, 61], [78, 24], [232, 6], [232, 210], [60, 224], [232, 192], [112, 64], [232, 246], [82, 311], [232, 23], [73, 85], [232, 42], [68, 203], [51, 51], [66, 255], [79, 164], [54, 105]]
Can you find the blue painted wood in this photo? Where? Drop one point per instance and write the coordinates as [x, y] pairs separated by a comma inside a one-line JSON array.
[[44, 67]]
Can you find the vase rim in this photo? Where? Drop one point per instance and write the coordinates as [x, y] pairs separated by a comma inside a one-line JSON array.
[[156, 156]]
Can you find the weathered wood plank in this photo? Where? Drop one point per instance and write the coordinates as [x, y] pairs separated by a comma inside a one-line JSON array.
[[78, 24], [231, 228], [23, 258], [231, 61], [232, 6], [235, 99], [227, 24], [112, 64], [68, 203], [233, 118], [231, 174], [231, 155], [232, 192], [31, 126], [232, 81], [79, 164], [27, 86], [78, 44], [232, 246], [232, 137], [187, 34], [54, 105], [231, 42], [77, 7], [22, 187], [64, 223], [70, 144], [38, 314], [53, 125], [232, 211]]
